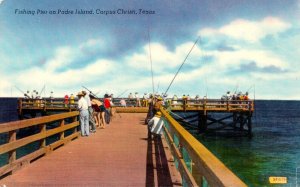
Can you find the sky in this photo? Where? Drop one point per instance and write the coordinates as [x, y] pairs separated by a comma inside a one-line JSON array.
[[244, 46]]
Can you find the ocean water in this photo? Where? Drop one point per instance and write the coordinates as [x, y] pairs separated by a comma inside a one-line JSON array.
[[8, 109], [274, 150]]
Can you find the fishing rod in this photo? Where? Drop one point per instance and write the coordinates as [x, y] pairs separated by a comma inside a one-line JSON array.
[[182, 119], [182, 65], [122, 93], [20, 90], [250, 88], [90, 92], [97, 93], [25, 94], [157, 87], [150, 56], [43, 89], [206, 88], [236, 87]]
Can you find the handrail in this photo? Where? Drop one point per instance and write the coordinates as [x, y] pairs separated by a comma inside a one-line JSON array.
[[204, 166], [178, 104], [212, 105], [13, 144]]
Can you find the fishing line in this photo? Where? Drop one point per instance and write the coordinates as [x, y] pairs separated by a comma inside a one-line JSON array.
[[91, 92], [122, 93], [182, 65], [150, 56], [182, 119]]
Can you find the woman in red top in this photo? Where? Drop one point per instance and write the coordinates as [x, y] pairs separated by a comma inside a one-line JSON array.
[[66, 100], [107, 108]]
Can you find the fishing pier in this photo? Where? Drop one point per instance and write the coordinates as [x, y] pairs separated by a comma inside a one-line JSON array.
[[120, 155], [211, 115]]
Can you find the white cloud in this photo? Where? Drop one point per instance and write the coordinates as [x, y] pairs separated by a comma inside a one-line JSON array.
[[129, 72], [63, 57], [92, 43], [250, 31], [261, 57], [5, 87], [162, 58]]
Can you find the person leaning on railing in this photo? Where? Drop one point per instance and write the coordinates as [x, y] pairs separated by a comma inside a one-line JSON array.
[[90, 109], [155, 125], [84, 115], [158, 103]]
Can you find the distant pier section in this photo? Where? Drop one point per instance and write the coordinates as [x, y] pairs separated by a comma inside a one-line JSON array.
[[210, 115]]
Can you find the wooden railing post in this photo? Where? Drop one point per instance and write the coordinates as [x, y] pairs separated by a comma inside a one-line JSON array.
[[204, 106], [12, 154], [62, 134], [227, 104], [74, 120], [196, 173], [43, 131]]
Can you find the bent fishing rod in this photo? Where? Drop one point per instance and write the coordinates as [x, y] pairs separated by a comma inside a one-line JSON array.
[[182, 65], [91, 92]]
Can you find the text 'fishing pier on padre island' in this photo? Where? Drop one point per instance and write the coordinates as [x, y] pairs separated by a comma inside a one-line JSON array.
[[46, 148]]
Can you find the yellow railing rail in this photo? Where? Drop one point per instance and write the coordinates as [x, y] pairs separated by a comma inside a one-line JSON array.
[[45, 103], [197, 165], [12, 144], [212, 105], [179, 104]]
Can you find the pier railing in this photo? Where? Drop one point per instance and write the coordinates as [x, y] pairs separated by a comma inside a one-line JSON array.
[[41, 135], [46, 103], [178, 104], [212, 105], [196, 164]]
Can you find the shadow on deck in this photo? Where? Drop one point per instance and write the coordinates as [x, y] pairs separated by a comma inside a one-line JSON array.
[[119, 155]]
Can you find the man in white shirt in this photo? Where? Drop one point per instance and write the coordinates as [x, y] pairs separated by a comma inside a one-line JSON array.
[[84, 115], [90, 109], [137, 97]]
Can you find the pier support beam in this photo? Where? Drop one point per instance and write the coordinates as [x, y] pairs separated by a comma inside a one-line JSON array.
[[202, 122]]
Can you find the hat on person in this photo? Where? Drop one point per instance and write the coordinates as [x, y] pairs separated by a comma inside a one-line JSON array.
[[159, 98], [158, 114], [80, 94], [83, 92]]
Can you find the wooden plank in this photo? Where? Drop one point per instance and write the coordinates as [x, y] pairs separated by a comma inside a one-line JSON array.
[[20, 162], [21, 142], [17, 164], [12, 154], [131, 109], [124, 142], [10, 126], [62, 128], [67, 139], [24, 141]]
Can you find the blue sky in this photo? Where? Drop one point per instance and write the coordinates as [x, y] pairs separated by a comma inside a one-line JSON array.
[[244, 45]]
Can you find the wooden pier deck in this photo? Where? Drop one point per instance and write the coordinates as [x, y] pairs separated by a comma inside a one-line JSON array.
[[119, 155]]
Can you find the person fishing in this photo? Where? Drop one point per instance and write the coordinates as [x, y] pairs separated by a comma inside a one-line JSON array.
[[84, 114], [155, 125], [90, 109]]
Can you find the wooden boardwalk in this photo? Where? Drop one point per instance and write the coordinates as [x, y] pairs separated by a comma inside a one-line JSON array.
[[119, 155]]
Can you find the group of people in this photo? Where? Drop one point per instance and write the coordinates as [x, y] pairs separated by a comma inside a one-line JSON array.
[[139, 102], [33, 95], [235, 96], [69, 100], [93, 112]]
